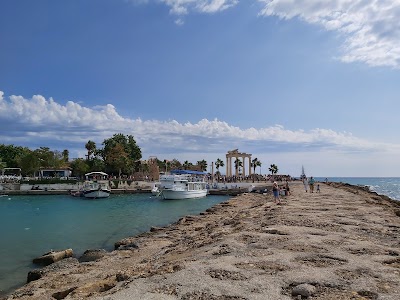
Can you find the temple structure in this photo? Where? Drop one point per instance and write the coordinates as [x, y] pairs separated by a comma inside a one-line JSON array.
[[240, 156]]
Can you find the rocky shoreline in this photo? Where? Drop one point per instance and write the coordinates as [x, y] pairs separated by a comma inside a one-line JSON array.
[[342, 243]]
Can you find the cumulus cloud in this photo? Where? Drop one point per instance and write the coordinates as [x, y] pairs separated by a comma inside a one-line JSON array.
[[44, 122], [370, 28]]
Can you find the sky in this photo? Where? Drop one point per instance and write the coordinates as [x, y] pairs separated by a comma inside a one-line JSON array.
[[295, 83]]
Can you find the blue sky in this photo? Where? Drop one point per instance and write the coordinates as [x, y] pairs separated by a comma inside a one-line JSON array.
[[313, 83]]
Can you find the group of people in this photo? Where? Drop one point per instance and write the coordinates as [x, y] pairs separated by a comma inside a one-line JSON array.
[[276, 189], [310, 183]]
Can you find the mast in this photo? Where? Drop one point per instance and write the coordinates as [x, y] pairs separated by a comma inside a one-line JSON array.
[[303, 174]]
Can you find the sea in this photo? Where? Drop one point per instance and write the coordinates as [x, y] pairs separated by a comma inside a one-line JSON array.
[[33, 225], [389, 186]]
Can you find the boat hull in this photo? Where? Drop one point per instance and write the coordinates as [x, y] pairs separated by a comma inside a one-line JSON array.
[[177, 195], [94, 194]]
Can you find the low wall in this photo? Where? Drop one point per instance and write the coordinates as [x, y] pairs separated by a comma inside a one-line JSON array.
[[50, 187], [124, 185]]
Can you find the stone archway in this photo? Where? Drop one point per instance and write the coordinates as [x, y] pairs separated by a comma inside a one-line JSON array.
[[236, 154]]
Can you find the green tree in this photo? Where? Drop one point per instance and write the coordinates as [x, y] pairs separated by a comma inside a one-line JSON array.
[[273, 169], [79, 167], [144, 168], [132, 150], [12, 155], [49, 159], [96, 164], [117, 158], [65, 155], [91, 149], [202, 164], [219, 163], [238, 163], [175, 164], [187, 165], [255, 163], [30, 164], [3, 164]]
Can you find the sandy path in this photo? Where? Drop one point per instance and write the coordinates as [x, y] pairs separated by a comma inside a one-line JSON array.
[[342, 243]]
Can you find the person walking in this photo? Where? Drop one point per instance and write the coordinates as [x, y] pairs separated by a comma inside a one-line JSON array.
[[287, 187], [311, 184], [305, 184]]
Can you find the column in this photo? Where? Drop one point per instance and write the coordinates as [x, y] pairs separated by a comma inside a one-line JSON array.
[[212, 172], [227, 168], [244, 166], [249, 164]]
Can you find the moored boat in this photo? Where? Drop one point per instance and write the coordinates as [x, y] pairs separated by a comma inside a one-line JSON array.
[[183, 184], [96, 185]]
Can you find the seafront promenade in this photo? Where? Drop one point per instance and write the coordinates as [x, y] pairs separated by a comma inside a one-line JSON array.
[[341, 243]]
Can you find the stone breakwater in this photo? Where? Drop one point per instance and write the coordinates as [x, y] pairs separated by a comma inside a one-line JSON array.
[[341, 243]]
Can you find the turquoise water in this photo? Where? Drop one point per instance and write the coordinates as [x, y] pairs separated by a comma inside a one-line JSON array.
[[389, 186], [33, 225]]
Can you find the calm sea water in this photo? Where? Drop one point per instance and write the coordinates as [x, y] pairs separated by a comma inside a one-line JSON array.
[[33, 225], [389, 186]]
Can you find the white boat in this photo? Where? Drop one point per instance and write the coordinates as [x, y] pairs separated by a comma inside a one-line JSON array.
[[183, 184], [96, 185]]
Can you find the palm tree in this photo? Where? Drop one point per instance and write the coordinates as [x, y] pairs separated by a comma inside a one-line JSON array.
[[65, 155], [186, 165], [273, 169], [238, 164], [255, 163], [218, 163], [175, 164], [91, 148], [167, 164], [202, 164]]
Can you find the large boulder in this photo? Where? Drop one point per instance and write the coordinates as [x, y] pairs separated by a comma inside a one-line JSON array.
[[92, 255]]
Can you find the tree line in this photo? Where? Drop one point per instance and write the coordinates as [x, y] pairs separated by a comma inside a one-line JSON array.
[[118, 155]]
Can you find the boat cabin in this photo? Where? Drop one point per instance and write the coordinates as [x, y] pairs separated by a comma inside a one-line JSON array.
[[93, 176]]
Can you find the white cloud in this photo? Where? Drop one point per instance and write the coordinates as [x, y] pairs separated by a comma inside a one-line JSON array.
[[179, 22], [371, 28], [39, 122], [183, 7], [48, 120]]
